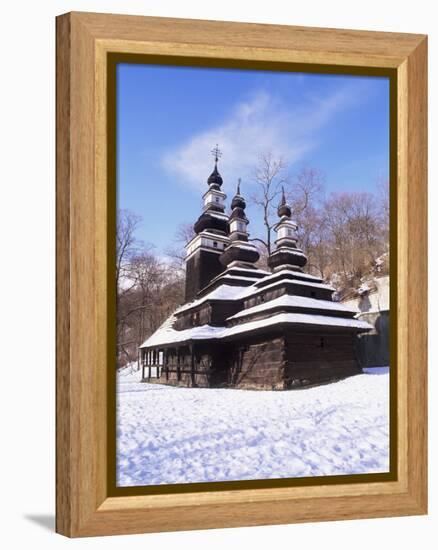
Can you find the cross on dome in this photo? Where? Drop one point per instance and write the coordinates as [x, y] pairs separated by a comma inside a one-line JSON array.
[[215, 179], [216, 152]]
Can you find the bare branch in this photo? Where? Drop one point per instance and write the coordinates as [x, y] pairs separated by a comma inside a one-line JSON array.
[[269, 175]]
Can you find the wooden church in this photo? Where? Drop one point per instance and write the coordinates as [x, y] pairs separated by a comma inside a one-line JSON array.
[[241, 326]]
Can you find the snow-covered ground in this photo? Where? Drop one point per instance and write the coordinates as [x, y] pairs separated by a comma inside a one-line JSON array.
[[185, 435]]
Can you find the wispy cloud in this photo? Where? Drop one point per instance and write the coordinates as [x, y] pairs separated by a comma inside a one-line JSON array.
[[260, 124]]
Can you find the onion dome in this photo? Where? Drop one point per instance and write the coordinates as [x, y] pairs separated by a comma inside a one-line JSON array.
[[212, 223], [215, 179], [238, 201], [287, 258]]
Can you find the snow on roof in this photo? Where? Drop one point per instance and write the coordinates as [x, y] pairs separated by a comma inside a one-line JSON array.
[[166, 335], [223, 292], [256, 287], [256, 270], [296, 319], [294, 301], [244, 245], [234, 292], [292, 274], [220, 215], [286, 250], [163, 328], [240, 277], [234, 272]]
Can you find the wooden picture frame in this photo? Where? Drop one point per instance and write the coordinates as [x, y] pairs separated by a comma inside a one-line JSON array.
[[85, 506]]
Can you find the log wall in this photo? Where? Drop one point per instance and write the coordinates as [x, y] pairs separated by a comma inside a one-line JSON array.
[[181, 371], [259, 365], [314, 358], [289, 360], [289, 288]]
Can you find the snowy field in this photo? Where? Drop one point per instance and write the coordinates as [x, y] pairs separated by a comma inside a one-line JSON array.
[[185, 435]]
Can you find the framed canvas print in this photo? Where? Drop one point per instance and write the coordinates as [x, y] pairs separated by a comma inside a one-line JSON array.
[[241, 274]]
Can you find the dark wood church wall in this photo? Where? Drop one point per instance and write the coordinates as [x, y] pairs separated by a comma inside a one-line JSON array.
[[201, 268], [290, 289], [294, 359], [214, 313], [181, 371], [200, 315], [319, 357], [220, 311], [258, 365]]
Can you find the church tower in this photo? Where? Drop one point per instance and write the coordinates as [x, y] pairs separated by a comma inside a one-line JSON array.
[[239, 252], [287, 255], [211, 228]]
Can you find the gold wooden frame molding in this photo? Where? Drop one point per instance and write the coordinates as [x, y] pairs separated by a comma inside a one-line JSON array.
[[84, 504]]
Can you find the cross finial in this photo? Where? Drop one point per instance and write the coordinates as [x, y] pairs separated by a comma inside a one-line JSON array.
[[283, 198], [238, 186], [216, 152]]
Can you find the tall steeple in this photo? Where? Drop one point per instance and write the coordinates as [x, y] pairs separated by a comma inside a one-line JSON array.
[[211, 236], [239, 251], [287, 255], [213, 218], [238, 220]]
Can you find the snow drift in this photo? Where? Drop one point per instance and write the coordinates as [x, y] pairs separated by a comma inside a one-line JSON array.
[[168, 435]]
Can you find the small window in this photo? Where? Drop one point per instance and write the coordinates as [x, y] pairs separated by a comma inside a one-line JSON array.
[[217, 199], [214, 244], [289, 232], [313, 294], [321, 343]]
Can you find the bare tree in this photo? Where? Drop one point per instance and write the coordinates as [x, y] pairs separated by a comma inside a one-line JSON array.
[[305, 191], [383, 188], [269, 175], [148, 288], [126, 241], [176, 252], [355, 234], [305, 195], [155, 288], [312, 237]]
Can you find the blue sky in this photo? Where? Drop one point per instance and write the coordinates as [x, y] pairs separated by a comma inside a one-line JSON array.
[[169, 118]]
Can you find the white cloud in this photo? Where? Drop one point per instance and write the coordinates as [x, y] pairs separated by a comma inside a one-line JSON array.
[[262, 123]]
